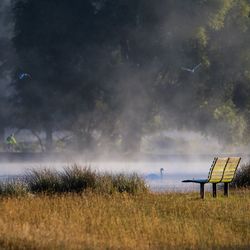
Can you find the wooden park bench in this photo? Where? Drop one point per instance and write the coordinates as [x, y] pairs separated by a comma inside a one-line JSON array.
[[222, 171]]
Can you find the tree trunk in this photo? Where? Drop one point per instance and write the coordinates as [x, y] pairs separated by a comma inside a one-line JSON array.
[[2, 139], [49, 139], [84, 141], [131, 141], [79, 141], [39, 140]]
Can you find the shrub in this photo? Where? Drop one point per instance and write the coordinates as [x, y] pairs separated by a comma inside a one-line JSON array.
[[242, 178]]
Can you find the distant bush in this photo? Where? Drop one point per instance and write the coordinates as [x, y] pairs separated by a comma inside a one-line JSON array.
[[75, 179], [242, 178]]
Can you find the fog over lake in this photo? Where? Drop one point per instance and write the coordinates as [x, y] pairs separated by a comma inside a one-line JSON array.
[[174, 170]]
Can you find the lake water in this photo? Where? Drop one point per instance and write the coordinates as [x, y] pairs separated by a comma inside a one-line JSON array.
[[175, 170]]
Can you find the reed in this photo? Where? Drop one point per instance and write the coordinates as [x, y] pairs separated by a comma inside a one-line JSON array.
[[13, 188], [242, 178], [76, 179], [43, 181]]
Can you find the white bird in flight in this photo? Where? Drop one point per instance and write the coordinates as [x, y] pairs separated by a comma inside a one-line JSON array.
[[24, 75], [192, 70]]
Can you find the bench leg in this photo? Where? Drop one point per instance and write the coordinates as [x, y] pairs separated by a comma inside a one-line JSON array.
[[214, 190], [202, 191], [226, 189]]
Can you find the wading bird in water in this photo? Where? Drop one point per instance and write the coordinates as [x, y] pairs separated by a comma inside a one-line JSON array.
[[192, 70], [156, 176], [161, 171]]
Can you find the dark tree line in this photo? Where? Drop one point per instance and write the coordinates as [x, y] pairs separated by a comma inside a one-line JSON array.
[[111, 71]]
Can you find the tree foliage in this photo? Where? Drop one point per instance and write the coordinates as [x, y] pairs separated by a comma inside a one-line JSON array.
[[115, 68]]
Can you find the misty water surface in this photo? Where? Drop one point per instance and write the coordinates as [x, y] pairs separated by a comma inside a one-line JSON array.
[[174, 171]]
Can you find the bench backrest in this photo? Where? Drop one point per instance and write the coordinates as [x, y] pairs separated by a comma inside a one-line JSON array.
[[230, 169], [217, 169]]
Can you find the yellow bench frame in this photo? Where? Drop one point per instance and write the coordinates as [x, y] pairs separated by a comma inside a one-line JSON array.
[[222, 171]]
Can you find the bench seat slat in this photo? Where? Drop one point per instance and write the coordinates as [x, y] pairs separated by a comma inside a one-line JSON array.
[[197, 180], [221, 171]]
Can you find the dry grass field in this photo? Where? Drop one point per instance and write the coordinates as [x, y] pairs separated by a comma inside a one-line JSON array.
[[123, 221]]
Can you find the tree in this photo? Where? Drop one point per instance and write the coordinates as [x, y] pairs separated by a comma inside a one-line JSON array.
[[110, 67], [6, 66], [50, 37]]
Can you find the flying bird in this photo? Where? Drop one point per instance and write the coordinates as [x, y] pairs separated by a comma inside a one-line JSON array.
[[192, 70], [24, 75]]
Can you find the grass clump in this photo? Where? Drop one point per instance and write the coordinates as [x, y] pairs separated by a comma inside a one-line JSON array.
[[43, 181], [77, 180], [13, 188], [121, 183], [132, 184], [242, 178]]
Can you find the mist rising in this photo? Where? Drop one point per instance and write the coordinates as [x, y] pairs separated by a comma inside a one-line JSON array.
[[111, 78]]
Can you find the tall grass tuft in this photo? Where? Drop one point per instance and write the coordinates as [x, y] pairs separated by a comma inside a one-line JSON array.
[[121, 183], [132, 184], [13, 188], [76, 180], [43, 181], [242, 178]]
